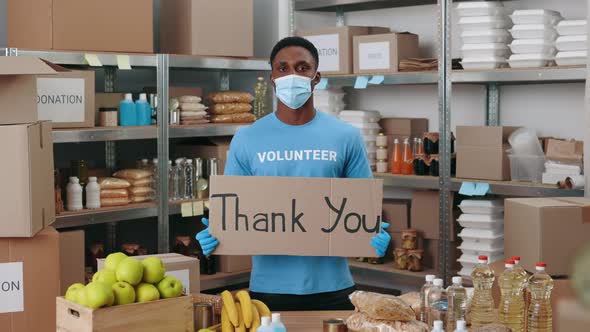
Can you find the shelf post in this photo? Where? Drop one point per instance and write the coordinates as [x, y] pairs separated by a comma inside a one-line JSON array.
[[444, 120], [162, 73], [493, 104], [339, 17], [110, 153], [291, 17]]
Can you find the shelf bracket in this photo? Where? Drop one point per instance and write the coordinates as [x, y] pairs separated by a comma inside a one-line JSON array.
[[493, 104], [11, 51]]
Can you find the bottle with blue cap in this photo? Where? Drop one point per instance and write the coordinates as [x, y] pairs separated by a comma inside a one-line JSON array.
[[127, 112], [143, 111]]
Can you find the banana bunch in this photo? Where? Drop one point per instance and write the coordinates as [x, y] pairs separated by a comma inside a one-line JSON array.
[[241, 315]]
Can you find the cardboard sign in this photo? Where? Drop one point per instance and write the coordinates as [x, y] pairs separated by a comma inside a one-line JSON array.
[[11, 287], [329, 51], [295, 216], [374, 56]]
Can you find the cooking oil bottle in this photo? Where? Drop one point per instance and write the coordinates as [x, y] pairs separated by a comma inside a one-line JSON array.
[[457, 296], [482, 304], [524, 274], [511, 310], [539, 313]]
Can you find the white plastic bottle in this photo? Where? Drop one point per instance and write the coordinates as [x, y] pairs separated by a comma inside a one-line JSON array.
[[74, 195], [437, 299], [92, 193], [264, 325], [461, 326], [424, 307], [438, 326], [277, 325]]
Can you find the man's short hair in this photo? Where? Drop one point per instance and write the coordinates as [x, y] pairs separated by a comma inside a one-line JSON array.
[[295, 41]]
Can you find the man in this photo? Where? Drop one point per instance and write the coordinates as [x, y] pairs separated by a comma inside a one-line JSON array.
[[296, 128]]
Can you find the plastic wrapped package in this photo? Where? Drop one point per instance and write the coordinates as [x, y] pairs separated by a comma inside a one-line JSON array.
[[193, 114], [107, 202], [485, 50], [534, 31], [480, 8], [481, 221], [485, 36], [483, 63], [530, 60], [535, 16], [140, 198], [145, 182], [382, 306], [113, 183], [233, 118], [224, 97], [572, 43], [574, 58], [572, 27], [360, 321], [139, 191], [133, 174], [113, 193], [192, 107], [360, 116], [190, 99], [230, 108], [482, 206], [413, 300], [542, 46], [484, 22]]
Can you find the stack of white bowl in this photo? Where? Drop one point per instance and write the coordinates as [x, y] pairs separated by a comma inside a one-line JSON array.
[[484, 34], [572, 43], [483, 232], [368, 123], [329, 100], [534, 38]]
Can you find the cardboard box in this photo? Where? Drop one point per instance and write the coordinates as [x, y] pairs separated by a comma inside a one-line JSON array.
[[380, 54], [481, 152], [31, 267], [256, 215], [185, 268], [67, 99], [18, 84], [231, 263], [430, 259], [425, 214], [106, 99], [103, 26], [571, 316], [571, 152], [28, 24], [397, 214], [335, 46], [27, 194], [546, 230], [72, 259], [201, 27], [214, 147]]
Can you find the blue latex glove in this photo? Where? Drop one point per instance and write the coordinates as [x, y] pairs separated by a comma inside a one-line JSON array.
[[381, 241], [208, 243]]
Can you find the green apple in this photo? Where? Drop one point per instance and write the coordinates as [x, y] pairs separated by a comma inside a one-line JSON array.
[[113, 260], [146, 292], [72, 292], [98, 295], [124, 293], [105, 276], [82, 296], [170, 287], [153, 270], [130, 270]]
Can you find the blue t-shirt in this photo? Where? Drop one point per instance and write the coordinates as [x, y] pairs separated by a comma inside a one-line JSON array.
[[324, 147]]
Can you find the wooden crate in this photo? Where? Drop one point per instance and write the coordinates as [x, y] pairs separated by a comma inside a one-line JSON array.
[[170, 315]]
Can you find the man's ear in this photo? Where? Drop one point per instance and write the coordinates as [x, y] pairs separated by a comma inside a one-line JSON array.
[[316, 80]]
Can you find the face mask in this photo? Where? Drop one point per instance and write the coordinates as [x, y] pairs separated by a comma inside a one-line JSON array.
[[293, 90]]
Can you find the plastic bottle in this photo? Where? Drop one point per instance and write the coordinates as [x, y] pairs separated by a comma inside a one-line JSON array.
[[171, 176], [482, 303], [407, 159], [143, 111], [92, 193], [145, 165], [189, 180], [523, 274], [277, 325], [461, 326], [127, 111], [437, 326], [74, 195], [424, 307], [540, 315], [264, 324], [437, 298], [260, 97], [179, 178], [457, 296], [155, 177], [511, 308], [396, 158]]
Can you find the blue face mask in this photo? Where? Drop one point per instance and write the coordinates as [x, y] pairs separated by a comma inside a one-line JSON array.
[[293, 90]]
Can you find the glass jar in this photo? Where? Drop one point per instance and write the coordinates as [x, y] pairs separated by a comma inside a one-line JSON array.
[[409, 239], [381, 141], [400, 258], [415, 260]]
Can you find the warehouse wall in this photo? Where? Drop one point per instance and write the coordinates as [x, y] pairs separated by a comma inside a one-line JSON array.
[[555, 109]]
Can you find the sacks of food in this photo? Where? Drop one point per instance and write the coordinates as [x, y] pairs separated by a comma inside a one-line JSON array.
[[139, 185], [192, 111], [362, 322], [231, 107]]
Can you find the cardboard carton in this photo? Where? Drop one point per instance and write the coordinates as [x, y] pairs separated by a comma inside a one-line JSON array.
[[103, 26], [28, 24], [335, 46], [67, 99], [571, 152], [254, 215], [425, 214], [231, 263], [481, 152], [380, 54], [546, 230], [185, 268], [72, 256], [27, 202], [397, 214], [214, 147], [200, 27], [32, 269], [571, 316]]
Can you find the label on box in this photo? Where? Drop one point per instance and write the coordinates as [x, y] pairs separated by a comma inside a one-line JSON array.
[[329, 50], [184, 277], [374, 56], [11, 287], [61, 99]]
